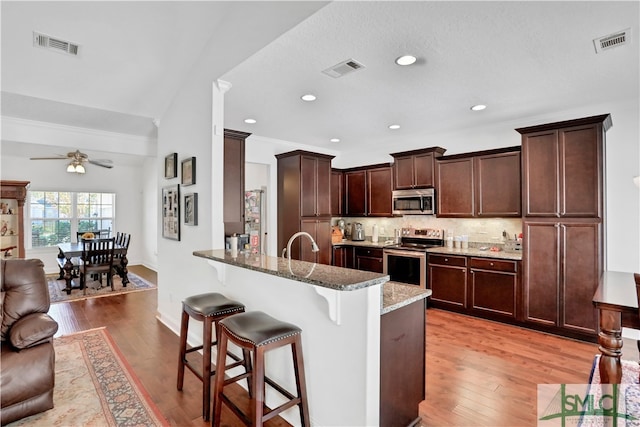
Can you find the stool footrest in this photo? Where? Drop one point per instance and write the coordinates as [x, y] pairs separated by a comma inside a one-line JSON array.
[[278, 387], [272, 413]]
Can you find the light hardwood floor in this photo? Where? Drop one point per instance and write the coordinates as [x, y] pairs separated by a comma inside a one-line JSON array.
[[479, 373]]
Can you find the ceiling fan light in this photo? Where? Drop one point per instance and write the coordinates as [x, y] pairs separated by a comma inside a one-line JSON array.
[[80, 169], [71, 168]]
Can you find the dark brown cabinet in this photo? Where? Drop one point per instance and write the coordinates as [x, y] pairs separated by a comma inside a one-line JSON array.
[[563, 198], [368, 191], [494, 286], [415, 169], [320, 230], [304, 203], [479, 184], [337, 192], [562, 270], [233, 188], [368, 259], [343, 256], [448, 281], [563, 168], [13, 195]]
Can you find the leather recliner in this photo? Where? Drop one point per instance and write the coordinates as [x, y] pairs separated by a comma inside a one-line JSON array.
[[27, 365]]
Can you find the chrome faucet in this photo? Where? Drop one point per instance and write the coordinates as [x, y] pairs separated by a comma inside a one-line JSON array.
[[287, 250]]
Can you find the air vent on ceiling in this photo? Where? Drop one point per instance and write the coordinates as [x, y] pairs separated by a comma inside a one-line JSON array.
[[345, 67], [612, 40], [55, 44]]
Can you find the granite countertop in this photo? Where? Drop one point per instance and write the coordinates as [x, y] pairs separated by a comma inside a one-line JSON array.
[[475, 252], [327, 276], [365, 243], [396, 295]]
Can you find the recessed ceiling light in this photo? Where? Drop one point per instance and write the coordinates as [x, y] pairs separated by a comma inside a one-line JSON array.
[[478, 107], [406, 60], [335, 140], [394, 127], [250, 121], [308, 97]]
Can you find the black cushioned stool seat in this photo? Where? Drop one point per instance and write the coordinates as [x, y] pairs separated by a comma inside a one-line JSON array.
[[208, 308], [258, 332]]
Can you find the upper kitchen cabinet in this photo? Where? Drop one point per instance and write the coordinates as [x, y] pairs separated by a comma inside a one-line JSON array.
[[13, 195], [479, 184], [304, 193], [563, 168], [368, 191], [415, 169], [233, 188], [337, 192]]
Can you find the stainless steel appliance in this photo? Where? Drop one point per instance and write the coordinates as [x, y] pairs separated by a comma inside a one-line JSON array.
[[406, 262], [357, 231], [414, 202]]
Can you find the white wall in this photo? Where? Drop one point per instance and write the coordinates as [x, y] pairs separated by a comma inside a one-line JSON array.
[[125, 181]]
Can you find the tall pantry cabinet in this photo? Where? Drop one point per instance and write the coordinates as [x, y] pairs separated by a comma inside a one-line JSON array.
[[563, 209], [304, 204]]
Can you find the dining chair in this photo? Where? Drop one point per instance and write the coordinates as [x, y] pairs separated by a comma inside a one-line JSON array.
[[122, 239], [97, 258]]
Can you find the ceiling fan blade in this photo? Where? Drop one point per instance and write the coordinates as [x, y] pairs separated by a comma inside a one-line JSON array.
[[95, 162], [48, 158]]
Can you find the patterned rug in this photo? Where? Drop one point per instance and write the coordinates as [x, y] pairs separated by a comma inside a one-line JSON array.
[[627, 413], [58, 293], [95, 386]]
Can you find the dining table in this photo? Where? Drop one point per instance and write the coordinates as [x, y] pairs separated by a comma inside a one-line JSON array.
[[617, 304], [69, 251]]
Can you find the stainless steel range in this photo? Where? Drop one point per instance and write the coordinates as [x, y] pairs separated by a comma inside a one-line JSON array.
[[406, 261]]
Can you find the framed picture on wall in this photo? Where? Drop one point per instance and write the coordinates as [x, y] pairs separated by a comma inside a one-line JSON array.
[[171, 212], [191, 209], [171, 166], [189, 171]]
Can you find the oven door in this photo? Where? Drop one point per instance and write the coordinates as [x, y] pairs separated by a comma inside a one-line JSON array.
[[406, 266]]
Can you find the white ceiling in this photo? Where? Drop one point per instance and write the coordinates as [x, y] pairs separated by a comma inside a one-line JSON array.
[[522, 59]]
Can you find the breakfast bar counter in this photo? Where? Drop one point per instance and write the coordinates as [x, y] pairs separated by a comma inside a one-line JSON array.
[[357, 331]]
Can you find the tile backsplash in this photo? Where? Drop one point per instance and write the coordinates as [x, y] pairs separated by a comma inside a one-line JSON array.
[[482, 230]]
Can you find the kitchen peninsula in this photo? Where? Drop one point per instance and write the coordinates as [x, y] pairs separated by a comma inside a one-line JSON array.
[[363, 336]]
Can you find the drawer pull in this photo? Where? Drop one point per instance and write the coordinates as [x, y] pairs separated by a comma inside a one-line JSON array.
[[446, 260], [491, 264]]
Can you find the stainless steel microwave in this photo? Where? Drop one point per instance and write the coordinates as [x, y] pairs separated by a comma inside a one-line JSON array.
[[414, 202]]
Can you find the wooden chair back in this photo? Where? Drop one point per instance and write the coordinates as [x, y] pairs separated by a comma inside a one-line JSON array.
[[97, 255]]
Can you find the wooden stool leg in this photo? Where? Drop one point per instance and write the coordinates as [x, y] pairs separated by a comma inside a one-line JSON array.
[[184, 326], [206, 368], [219, 377], [257, 378], [301, 383]]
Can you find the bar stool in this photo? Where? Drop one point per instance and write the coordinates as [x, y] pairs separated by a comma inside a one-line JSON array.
[[208, 308], [258, 332]]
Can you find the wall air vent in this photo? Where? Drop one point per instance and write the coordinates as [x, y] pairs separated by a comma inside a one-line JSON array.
[[612, 40], [345, 67], [55, 44]]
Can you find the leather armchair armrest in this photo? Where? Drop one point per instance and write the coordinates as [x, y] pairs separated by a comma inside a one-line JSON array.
[[32, 330]]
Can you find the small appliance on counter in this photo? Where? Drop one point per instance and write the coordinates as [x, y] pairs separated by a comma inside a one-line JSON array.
[[343, 228], [357, 231]]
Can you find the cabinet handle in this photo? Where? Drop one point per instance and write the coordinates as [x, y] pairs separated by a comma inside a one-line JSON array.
[[491, 264], [446, 260]]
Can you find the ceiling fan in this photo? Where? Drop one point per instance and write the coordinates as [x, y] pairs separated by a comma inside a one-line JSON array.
[[77, 159]]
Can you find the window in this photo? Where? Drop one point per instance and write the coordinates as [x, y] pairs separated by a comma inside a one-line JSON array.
[[57, 216]]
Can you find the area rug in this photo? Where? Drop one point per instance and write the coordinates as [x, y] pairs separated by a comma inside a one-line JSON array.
[[627, 413], [58, 293], [95, 386]]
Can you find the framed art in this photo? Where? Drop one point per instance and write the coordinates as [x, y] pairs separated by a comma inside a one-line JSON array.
[[191, 209], [171, 166], [171, 212], [189, 171]]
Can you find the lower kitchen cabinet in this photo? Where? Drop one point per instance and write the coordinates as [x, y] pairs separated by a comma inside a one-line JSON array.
[[368, 259], [494, 286], [343, 256], [484, 287], [448, 281]]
